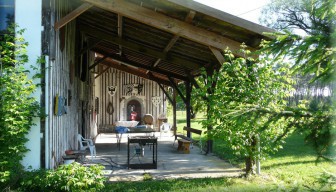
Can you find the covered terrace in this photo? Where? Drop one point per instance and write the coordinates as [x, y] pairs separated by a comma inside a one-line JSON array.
[[166, 41]]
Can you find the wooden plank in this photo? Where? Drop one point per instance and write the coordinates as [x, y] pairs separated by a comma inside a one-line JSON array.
[[72, 15], [119, 58], [188, 105], [190, 16], [138, 48], [169, 24], [253, 27], [217, 54], [97, 62], [133, 71], [120, 30], [99, 74]]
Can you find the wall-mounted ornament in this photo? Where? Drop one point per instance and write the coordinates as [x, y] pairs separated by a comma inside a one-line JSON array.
[[133, 89], [156, 100], [60, 105], [110, 108], [112, 90]]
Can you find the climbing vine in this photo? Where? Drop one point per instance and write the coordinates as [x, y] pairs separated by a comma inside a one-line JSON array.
[[17, 106]]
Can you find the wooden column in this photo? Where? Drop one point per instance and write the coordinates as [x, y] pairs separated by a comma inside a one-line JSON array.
[[210, 90], [188, 105], [174, 111]]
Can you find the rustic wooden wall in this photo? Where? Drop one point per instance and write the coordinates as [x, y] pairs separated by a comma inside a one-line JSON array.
[[61, 131], [114, 77]]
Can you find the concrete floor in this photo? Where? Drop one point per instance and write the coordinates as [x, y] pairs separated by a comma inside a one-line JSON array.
[[171, 163]]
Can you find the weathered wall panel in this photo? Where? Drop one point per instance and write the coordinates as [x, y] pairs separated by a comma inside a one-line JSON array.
[[120, 79], [63, 129]]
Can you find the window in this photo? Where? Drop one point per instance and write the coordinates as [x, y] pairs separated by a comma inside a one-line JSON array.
[[6, 14]]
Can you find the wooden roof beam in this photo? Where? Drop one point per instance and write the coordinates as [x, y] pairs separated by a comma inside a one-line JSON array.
[[167, 48], [115, 64], [171, 43], [107, 68], [217, 54], [169, 24], [97, 62], [72, 15], [96, 33], [120, 30], [119, 58], [215, 13]]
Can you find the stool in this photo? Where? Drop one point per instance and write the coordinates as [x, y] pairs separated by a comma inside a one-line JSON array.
[[184, 146]]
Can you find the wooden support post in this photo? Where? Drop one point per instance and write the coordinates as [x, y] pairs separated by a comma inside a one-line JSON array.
[[188, 105], [174, 111], [210, 72]]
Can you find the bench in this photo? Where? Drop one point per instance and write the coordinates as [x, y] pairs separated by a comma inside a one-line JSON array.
[[185, 142]]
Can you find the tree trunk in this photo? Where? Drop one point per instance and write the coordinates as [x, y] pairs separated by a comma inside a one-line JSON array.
[[249, 165], [249, 161]]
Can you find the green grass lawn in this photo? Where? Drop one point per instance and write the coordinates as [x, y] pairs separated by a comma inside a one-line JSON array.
[[291, 169]]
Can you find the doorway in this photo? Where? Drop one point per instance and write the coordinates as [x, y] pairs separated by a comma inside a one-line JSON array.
[[134, 110]]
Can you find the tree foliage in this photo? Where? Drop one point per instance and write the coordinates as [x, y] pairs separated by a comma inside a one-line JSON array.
[[17, 107], [246, 103], [314, 51], [314, 55]]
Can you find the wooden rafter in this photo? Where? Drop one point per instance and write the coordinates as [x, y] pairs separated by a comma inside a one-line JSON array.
[[171, 43], [223, 16], [72, 15], [190, 16], [97, 62], [217, 54], [119, 58], [90, 46], [171, 25], [117, 65], [167, 48], [120, 30], [102, 72], [96, 33]]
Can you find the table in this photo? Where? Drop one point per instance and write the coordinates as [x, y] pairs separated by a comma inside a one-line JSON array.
[[142, 141], [131, 130]]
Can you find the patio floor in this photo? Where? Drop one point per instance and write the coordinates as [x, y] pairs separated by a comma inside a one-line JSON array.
[[170, 164]]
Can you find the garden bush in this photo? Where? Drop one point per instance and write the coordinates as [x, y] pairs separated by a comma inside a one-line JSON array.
[[73, 177]]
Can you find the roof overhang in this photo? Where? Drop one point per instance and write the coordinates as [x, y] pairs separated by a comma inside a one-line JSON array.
[[161, 39]]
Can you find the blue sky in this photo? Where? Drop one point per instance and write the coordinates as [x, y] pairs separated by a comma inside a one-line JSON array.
[[246, 9]]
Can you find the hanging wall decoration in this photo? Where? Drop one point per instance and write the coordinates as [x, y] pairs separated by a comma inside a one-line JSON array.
[[133, 89], [110, 108], [112, 90], [60, 105], [156, 100]]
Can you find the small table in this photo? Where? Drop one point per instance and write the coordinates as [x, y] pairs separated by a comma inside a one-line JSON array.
[[132, 130], [143, 140]]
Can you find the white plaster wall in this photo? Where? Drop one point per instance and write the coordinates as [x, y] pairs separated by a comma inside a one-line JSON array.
[[28, 15]]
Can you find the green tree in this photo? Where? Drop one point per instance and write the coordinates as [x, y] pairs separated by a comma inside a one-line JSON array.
[[245, 104], [313, 54], [17, 107]]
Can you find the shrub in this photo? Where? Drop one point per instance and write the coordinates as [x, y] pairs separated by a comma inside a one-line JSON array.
[[17, 106], [73, 177]]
